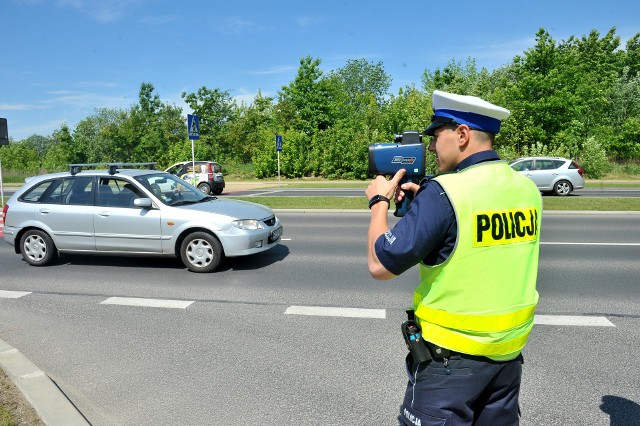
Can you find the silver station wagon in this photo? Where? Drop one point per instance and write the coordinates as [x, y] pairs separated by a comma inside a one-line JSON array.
[[132, 212]]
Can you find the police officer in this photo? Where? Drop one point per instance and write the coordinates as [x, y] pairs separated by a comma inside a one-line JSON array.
[[474, 231]]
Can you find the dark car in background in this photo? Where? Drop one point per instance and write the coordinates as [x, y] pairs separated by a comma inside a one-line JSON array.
[[551, 174], [208, 177]]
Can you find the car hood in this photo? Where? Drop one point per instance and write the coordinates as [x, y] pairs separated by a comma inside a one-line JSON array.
[[232, 208]]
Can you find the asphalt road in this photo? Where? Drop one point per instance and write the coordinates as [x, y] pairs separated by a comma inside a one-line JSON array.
[[350, 192], [241, 352], [355, 192]]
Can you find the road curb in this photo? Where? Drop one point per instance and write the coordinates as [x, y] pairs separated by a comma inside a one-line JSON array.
[[45, 397]]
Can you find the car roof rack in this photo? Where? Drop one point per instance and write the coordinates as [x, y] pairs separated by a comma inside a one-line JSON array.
[[74, 169]]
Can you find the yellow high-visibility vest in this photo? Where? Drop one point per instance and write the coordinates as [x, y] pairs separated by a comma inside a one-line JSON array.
[[481, 299]]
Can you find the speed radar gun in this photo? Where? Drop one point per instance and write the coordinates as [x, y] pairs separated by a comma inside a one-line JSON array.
[[406, 152]]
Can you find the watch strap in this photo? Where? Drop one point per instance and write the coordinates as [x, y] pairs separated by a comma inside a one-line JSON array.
[[377, 198]]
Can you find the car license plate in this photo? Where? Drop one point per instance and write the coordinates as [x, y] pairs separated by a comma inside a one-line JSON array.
[[275, 234]]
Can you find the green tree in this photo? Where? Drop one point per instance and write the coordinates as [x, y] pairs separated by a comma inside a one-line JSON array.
[[39, 143], [363, 82], [307, 99], [20, 157], [95, 138], [245, 133], [455, 77], [215, 109], [60, 153], [593, 159]]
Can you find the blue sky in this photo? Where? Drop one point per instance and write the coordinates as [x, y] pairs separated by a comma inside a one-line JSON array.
[[61, 59]]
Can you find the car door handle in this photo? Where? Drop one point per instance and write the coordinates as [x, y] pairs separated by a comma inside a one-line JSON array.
[[105, 213], [44, 211]]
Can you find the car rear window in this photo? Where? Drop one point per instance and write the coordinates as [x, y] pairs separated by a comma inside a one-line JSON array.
[[34, 194]]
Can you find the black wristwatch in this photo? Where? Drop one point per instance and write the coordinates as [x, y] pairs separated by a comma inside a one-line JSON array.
[[377, 198]]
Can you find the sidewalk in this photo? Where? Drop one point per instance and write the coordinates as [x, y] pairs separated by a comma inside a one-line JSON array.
[[40, 391]]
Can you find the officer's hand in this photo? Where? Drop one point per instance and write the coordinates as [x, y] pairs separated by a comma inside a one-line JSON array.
[[402, 190], [382, 186]]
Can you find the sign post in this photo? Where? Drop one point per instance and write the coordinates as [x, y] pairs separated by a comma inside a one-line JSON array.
[[193, 127], [278, 149], [4, 140]]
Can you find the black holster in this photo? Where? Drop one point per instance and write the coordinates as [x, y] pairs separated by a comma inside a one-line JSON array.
[[414, 340]]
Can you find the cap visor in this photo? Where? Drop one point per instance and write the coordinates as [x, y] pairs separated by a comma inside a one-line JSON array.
[[429, 131]]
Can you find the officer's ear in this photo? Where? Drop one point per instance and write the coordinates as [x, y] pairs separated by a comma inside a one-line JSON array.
[[463, 133]]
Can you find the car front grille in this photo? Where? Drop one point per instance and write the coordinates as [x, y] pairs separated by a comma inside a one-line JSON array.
[[270, 221]]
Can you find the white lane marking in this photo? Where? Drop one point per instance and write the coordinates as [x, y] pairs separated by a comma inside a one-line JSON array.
[[150, 303], [572, 320], [286, 239], [261, 193], [6, 294], [336, 312], [559, 243]]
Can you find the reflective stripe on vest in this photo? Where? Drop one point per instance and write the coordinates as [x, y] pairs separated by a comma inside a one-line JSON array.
[[472, 346], [476, 322]]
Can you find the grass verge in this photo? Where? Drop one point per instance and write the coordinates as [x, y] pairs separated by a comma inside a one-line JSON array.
[[360, 203]]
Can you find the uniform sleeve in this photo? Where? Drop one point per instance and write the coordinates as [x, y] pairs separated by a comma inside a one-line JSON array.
[[422, 232]]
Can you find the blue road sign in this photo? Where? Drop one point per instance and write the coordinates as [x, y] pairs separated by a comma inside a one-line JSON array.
[[193, 126], [278, 143]]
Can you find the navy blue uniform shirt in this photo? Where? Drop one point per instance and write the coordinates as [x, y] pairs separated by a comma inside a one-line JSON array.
[[428, 231]]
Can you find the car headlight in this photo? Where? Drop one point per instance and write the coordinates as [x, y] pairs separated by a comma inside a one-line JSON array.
[[251, 224]]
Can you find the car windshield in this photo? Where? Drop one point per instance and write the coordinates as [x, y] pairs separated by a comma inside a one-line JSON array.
[[171, 190]]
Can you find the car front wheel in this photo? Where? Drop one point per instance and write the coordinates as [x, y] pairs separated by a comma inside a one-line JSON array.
[[201, 252], [562, 188], [37, 248]]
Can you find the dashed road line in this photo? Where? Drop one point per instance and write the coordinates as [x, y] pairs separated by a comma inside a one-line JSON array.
[[575, 320], [149, 303], [336, 312], [6, 294], [327, 311]]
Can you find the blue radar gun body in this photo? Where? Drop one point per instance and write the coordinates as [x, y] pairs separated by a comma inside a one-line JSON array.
[[406, 152]]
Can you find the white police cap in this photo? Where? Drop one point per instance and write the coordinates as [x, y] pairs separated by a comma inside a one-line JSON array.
[[478, 114]]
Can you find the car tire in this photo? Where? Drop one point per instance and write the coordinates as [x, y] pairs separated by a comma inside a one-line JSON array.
[[37, 248], [217, 191], [562, 188], [204, 187], [201, 252]]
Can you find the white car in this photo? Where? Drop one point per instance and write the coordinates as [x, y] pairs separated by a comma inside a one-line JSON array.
[[133, 212], [208, 177], [551, 174]]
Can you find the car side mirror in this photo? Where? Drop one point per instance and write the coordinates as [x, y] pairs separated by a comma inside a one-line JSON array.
[[142, 202]]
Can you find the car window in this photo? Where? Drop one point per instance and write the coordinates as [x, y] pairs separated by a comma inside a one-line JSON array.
[[216, 168], [175, 169], [523, 166], [545, 165], [558, 163], [200, 168], [574, 165], [72, 190], [114, 192], [170, 189], [35, 194]]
